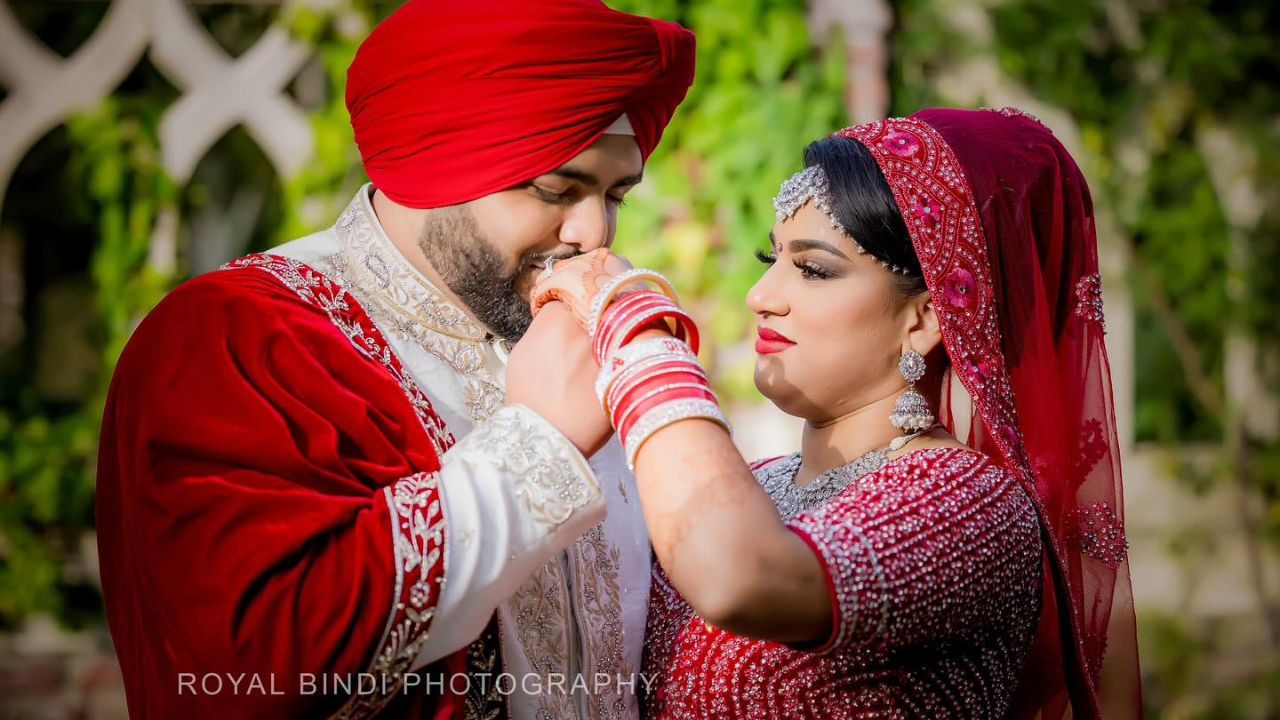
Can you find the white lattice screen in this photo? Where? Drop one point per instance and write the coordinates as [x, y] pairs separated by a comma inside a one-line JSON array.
[[218, 91]]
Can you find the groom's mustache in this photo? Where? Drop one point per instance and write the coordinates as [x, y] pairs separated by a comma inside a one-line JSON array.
[[542, 258]]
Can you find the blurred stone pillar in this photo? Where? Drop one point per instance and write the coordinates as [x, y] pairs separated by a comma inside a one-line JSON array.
[[864, 25], [1233, 170], [12, 290]]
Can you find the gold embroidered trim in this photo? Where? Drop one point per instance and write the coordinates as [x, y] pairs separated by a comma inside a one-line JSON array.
[[404, 287], [321, 291], [484, 701], [417, 521], [596, 562], [554, 481], [541, 611], [409, 305]]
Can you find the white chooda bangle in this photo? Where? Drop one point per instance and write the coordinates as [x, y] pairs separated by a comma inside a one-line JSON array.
[[669, 414], [616, 283]]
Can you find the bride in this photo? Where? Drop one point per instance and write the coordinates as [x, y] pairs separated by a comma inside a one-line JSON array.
[[888, 569]]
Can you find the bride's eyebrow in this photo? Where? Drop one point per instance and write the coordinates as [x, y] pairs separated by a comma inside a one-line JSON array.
[[803, 244]]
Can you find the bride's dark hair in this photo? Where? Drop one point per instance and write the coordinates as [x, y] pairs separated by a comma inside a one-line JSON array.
[[864, 205]]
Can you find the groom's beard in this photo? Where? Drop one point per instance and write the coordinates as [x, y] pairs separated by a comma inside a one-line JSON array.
[[472, 268]]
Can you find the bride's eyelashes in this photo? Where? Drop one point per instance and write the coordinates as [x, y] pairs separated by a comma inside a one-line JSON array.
[[813, 271], [808, 270]]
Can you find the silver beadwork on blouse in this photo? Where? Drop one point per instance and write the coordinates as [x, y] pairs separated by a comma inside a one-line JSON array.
[[778, 478]]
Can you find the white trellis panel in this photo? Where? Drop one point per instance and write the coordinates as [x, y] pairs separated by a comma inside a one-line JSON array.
[[218, 91]]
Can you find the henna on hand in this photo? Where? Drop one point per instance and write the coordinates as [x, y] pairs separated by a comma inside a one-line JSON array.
[[576, 281]]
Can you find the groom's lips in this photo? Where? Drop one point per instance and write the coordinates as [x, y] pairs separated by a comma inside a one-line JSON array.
[[533, 271]]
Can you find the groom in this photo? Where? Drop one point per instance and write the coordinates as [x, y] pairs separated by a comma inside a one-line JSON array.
[[313, 497]]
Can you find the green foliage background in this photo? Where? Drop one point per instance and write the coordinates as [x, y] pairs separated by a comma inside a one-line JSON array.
[[1146, 87]]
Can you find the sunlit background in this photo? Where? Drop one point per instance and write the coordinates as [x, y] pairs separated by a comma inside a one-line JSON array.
[[146, 141]]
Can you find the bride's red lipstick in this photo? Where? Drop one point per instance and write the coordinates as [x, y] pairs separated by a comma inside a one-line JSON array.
[[771, 341]]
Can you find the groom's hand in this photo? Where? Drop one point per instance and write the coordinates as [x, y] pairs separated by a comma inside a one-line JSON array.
[[552, 371]]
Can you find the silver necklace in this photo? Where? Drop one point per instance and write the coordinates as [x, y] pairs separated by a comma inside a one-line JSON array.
[[778, 479]]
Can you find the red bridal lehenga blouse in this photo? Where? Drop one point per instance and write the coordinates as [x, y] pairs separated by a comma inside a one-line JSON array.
[[934, 561], [984, 583]]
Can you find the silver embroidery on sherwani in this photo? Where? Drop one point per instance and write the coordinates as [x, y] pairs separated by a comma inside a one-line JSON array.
[[414, 309], [581, 613]]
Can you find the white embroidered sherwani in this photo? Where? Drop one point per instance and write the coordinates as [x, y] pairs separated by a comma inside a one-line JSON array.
[[580, 615]]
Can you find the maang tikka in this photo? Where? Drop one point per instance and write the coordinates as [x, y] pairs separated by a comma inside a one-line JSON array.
[[911, 412], [811, 185], [808, 185]]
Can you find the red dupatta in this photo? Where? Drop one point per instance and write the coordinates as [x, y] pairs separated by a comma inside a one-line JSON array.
[[1002, 221]]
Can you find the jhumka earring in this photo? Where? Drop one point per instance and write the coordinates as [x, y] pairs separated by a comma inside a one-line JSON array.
[[911, 412]]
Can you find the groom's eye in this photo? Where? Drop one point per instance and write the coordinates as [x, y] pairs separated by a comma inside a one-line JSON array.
[[553, 197]]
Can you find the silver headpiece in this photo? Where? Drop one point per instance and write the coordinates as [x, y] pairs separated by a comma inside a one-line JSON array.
[[808, 185], [811, 185]]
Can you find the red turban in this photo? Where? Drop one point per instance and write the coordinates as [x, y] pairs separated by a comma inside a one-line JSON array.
[[453, 100]]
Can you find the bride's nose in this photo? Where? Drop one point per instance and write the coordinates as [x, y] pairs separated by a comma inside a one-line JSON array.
[[766, 297]]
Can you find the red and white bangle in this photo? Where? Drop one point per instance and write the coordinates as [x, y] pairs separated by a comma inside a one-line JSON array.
[[658, 349], [626, 318], [665, 415], [624, 332], [642, 401], [633, 409], [648, 375], [617, 283], [622, 312], [626, 379], [645, 371], [646, 386]]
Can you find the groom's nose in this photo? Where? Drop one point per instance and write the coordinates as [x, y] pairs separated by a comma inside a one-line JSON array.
[[588, 225]]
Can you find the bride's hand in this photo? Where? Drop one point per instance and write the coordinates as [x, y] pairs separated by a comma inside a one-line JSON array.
[[575, 282]]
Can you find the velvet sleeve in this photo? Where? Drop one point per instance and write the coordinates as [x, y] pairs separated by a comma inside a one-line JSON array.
[[267, 505]]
